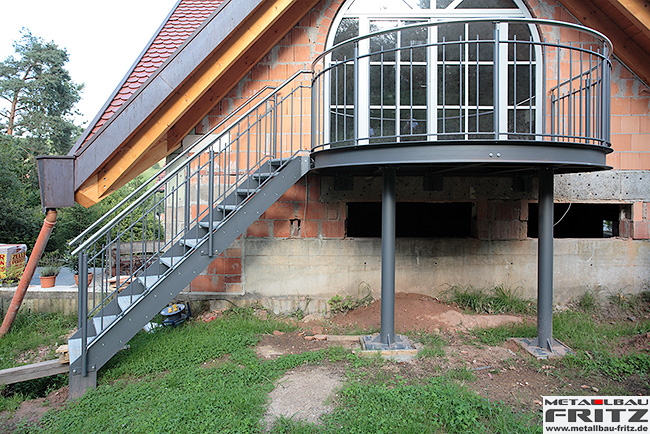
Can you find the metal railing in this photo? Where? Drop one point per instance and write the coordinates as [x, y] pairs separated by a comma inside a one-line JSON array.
[[165, 210], [465, 81]]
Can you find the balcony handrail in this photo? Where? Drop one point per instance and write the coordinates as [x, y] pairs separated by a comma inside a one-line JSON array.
[[200, 146], [535, 21], [394, 109]]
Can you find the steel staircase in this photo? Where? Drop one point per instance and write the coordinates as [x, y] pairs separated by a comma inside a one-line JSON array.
[[170, 228]]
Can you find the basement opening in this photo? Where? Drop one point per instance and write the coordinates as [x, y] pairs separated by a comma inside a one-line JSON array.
[[413, 219], [579, 220]]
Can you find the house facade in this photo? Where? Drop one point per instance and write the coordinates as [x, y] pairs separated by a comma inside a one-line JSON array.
[[313, 144], [452, 229]]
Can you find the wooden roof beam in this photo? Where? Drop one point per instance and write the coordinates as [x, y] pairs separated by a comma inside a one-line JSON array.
[[149, 142], [637, 11]]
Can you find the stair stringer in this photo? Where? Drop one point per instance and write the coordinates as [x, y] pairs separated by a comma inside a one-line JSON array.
[[113, 338]]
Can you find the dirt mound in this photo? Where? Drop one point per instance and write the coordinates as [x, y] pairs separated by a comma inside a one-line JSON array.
[[421, 312]]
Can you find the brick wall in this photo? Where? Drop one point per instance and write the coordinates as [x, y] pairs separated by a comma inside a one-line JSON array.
[[302, 212], [630, 121]]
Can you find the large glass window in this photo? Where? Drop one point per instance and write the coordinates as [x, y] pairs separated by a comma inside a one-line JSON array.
[[426, 82]]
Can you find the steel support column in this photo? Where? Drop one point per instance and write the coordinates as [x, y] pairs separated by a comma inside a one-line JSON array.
[[387, 335], [545, 261]]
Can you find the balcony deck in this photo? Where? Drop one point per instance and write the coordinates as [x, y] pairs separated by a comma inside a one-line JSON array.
[[473, 96]]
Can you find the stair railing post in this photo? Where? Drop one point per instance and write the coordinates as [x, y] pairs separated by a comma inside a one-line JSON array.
[[274, 134], [496, 83], [211, 201], [83, 310], [186, 224]]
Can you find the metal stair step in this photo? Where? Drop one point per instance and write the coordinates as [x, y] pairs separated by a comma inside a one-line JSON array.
[[246, 191], [105, 321], [148, 281], [226, 207], [124, 301], [207, 225], [262, 175], [170, 260], [74, 347], [189, 242]]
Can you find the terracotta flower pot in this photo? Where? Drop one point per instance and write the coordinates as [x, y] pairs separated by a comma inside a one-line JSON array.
[[76, 279], [47, 281]]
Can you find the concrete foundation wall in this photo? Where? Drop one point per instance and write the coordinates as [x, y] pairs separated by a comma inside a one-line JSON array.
[[319, 269]]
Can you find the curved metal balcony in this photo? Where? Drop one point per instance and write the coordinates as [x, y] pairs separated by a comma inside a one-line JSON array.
[[480, 95]]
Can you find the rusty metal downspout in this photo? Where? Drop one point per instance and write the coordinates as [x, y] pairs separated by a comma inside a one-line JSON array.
[[34, 258]]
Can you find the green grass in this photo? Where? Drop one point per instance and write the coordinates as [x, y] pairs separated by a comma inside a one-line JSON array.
[[205, 377], [438, 405], [29, 332], [433, 344], [499, 299], [592, 340], [33, 330]]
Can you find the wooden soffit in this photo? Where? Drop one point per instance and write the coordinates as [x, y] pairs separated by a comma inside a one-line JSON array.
[[203, 70], [625, 22]]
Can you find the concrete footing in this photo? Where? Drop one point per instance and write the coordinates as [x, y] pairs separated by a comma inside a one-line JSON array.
[[531, 345]]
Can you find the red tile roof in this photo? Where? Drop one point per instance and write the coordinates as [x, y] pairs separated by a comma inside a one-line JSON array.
[[183, 21]]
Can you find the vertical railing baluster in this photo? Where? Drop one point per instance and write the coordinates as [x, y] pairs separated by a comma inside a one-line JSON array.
[[83, 312], [211, 202], [496, 77]]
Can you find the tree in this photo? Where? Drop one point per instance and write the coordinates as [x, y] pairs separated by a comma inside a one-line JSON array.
[[40, 96], [35, 118]]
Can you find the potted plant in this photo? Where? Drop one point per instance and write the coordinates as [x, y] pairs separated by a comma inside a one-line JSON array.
[[50, 268], [72, 262]]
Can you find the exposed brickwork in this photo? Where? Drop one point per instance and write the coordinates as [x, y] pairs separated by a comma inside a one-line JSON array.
[[630, 103], [224, 274]]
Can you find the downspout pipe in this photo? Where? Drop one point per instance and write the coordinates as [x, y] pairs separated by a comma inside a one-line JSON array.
[[34, 258]]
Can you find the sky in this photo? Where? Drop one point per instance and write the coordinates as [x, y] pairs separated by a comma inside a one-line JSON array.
[[102, 38]]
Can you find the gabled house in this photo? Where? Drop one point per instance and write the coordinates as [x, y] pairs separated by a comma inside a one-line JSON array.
[[323, 147]]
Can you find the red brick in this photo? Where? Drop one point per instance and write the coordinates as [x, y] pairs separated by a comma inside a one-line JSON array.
[[504, 211], [234, 287], [223, 265], [280, 211], [201, 209], [333, 229], [637, 211], [481, 209], [523, 210], [641, 230], [204, 283], [310, 229], [235, 278], [297, 193], [258, 229], [333, 209], [625, 229], [233, 253], [314, 188], [316, 211], [281, 229]]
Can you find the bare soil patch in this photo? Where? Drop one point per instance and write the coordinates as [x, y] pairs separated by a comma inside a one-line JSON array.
[[31, 411], [421, 312], [304, 393]]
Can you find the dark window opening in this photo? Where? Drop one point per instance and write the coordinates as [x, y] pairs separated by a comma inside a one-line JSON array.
[[412, 219], [578, 220]]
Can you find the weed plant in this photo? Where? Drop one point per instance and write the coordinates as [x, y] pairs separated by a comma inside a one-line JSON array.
[[499, 299]]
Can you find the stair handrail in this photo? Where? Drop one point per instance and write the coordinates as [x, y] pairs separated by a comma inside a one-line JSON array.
[[176, 159], [200, 146]]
